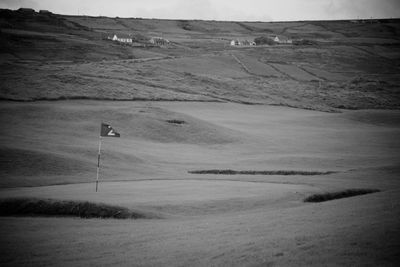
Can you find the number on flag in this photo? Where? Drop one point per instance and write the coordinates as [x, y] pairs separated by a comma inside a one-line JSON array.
[[108, 131]]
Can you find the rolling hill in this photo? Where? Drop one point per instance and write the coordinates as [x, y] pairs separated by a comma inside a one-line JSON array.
[[336, 64]]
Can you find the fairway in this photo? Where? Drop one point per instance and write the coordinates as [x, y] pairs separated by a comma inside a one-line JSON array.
[[193, 217], [184, 197]]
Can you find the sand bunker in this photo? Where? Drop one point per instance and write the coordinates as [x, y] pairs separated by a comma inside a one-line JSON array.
[[49, 207], [247, 172], [339, 194]]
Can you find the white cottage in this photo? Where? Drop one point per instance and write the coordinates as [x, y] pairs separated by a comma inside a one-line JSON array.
[[159, 41], [122, 38]]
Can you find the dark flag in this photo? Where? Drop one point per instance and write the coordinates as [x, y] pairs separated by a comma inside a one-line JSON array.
[[105, 131], [108, 131]]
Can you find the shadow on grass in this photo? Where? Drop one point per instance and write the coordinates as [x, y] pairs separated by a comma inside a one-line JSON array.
[[82, 209], [280, 172], [340, 194]]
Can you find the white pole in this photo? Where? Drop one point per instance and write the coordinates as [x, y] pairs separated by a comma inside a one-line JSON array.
[[98, 163]]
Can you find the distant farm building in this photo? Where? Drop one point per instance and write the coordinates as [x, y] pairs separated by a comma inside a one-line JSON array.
[[26, 10], [281, 40], [45, 12], [159, 41], [242, 43], [272, 40], [122, 38]]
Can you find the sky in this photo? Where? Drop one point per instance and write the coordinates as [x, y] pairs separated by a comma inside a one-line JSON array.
[[239, 10]]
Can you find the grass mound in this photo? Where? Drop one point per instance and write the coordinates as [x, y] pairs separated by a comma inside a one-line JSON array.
[[49, 207], [279, 172], [340, 194]]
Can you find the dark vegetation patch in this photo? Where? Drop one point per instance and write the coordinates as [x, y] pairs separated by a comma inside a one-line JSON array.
[[339, 194], [185, 24], [304, 42], [174, 121], [49, 207], [262, 40], [279, 172]]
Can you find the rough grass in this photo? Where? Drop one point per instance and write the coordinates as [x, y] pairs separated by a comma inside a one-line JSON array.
[[339, 194], [279, 172], [50, 207]]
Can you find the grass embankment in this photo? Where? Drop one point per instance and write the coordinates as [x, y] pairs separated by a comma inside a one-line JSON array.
[[339, 194], [49, 207], [279, 172]]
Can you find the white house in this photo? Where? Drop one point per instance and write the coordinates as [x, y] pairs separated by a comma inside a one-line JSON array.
[[244, 43], [122, 38], [283, 40], [159, 41]]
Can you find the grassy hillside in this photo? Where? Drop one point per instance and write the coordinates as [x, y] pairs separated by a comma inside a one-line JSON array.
[[343, 64], [45, 143]]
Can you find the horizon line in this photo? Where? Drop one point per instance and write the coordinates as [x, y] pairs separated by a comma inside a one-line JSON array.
[[217, 20]]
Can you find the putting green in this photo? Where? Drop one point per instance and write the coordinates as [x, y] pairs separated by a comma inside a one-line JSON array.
[[162, 192]]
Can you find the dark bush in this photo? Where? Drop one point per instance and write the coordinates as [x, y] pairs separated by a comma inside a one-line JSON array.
[[304, 42], [264, 40], [185, 24]]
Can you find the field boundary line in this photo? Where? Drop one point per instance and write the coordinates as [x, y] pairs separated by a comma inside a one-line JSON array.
[[280, 71], [241, 64], [309, 72]]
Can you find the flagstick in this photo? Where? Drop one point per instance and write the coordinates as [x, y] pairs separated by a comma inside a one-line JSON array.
[[98, 163]]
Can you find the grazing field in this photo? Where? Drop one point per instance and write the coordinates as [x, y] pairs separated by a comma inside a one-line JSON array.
[[69, 57], [294, 72], [220, 145]]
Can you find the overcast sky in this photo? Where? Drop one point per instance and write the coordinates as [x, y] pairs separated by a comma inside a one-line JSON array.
[[256, 10]]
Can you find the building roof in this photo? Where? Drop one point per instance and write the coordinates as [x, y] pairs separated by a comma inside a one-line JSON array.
[[123, 35], [25, 9]]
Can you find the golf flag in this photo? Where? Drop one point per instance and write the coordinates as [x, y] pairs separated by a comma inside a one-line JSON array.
[[108, 131], [105, 131]]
